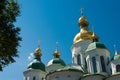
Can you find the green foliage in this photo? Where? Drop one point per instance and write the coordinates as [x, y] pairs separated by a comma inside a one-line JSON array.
[[9, 34]]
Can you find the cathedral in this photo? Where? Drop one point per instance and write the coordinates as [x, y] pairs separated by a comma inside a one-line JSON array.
[[90, 60]]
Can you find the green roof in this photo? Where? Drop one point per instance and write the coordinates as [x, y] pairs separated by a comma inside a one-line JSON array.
[[36, 64], [57, 61], [95, 45], [116, 57], [72, 67]]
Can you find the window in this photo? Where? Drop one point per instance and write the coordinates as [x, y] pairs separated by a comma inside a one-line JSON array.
[[94, 64], [73, 59], [108, 60], [42, 78], [88, 66], [103, 64], [110, 71], [118, 68], [78, 59], [85, 64], [25, 78], [34, 78]]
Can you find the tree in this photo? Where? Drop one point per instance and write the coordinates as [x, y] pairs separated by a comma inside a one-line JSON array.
[[9, 34]]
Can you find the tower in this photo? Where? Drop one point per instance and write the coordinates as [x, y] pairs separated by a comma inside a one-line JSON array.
[[115, 63], [97, 58], [81, 42], [56, 62], [36, 69]]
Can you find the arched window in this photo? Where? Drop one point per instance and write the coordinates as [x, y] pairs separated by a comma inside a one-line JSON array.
[[94, 64], [78, 59], [118, 68], [103, 63], [34, 78]]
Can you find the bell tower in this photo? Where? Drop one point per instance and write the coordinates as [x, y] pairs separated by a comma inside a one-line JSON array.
[[81, 41]]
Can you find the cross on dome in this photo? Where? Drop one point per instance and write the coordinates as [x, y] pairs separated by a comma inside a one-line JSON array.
[[81, 11]]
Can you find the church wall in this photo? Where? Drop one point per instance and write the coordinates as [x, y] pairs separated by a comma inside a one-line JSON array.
[[114, 77], [79, 49], [113, 66], [64, 75], [96, 53], [93, 77], [31, 74]]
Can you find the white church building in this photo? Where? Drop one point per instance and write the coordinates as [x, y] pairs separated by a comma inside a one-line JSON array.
[[90, 60]]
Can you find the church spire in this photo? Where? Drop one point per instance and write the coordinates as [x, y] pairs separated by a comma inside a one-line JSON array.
[[116, 55], [83, 22], [94, 37], [56, 53], [116, 52], [38, 53]]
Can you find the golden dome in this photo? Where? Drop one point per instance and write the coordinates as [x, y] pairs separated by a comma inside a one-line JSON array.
[[84, 34], [38, 52], [56, 53], [83, 22]]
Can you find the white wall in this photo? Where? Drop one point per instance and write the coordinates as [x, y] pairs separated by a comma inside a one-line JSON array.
[[79, 48], [97, 53], [113, 66], [64, 75], [38, 74]]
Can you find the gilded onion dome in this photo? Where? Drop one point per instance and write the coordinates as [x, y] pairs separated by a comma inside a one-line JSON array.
[[38, 53], [56, 53], [83, 23], [84, 34]]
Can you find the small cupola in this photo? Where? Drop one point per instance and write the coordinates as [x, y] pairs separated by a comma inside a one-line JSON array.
[[37, 63]]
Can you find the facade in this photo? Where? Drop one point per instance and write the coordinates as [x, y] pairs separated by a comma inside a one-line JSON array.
[[90, 60]]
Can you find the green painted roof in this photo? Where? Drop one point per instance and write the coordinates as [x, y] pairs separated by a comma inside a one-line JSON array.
[[72, 67], [57, 61], [95, 45], [36, 64], [116, 57]]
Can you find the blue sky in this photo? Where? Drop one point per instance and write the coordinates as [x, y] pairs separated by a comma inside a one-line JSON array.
[[57, 20]]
